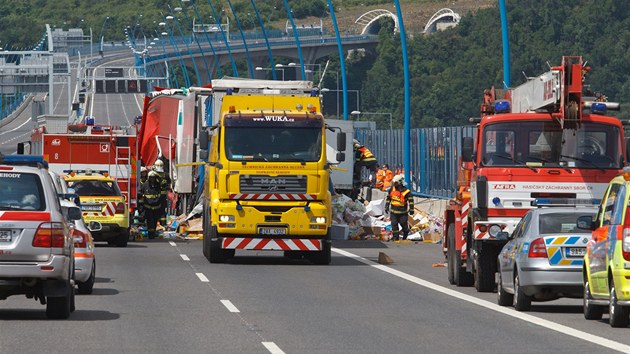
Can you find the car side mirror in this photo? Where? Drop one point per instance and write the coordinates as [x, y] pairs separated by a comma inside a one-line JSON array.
[[74, 213], [95, 226], [341, 156], [585, 222]]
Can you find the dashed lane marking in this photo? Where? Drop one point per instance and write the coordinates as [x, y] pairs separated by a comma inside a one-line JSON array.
[[272, 348], [202, 277], [230, 306], [172, 243], [184, 257]]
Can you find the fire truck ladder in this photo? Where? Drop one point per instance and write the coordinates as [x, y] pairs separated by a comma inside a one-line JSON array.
[[123, 168]]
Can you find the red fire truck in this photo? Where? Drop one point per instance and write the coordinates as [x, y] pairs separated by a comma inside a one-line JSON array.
[[546, 139], [95, 147]]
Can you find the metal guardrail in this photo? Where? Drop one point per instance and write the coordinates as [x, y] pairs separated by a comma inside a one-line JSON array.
[[434, 156]]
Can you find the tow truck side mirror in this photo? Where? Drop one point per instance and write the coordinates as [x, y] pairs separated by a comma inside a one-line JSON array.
[[203, 144], [467, 149], [341, 147], [341, 142], [585, 222]]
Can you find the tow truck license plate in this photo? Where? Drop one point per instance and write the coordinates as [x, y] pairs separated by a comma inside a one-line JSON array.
[[272, 230], [91, 207], [5, 235], [576, 251]]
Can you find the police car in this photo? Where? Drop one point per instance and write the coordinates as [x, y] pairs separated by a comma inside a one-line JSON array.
[[102, 201]]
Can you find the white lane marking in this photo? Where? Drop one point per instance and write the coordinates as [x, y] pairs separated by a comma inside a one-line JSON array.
[[184, 257], [20, 126], [202, 277], [140, 106], [604, 342], [122, 105], [229, 305], [272, 348], [63, 88], [172, 243], [109, 120]]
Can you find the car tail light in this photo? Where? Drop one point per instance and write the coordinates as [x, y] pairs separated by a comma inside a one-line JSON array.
[[79, 238], [537, 249], [50, 234], [625, 244], [120, 208]]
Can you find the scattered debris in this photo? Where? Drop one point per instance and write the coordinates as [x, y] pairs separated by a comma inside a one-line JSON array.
[[384, 258]]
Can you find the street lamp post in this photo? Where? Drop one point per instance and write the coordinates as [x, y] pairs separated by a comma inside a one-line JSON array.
[[102, 37], [357, 113], [355, 91], [281, 68]]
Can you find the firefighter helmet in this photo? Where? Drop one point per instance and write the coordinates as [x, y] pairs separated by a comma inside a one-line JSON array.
[[356, 143], [399, 179], [158, 166]]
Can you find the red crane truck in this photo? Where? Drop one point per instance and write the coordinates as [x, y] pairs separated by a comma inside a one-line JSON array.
[[547, 138]]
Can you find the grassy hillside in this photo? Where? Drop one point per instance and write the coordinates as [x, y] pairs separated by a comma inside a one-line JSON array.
[[22, 23]]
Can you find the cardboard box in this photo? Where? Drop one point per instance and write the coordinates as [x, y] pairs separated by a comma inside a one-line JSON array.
[[372, 230], [432, 237]]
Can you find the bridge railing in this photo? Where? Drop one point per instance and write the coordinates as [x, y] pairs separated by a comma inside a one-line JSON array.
[[434, 152]]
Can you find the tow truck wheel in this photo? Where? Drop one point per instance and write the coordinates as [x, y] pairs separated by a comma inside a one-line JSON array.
[[216, 254], [450, 253], [206, 233], [484, 274], [322, 257], [123, 238]]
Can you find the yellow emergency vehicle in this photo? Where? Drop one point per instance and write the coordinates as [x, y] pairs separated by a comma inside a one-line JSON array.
[[607, 260], [267, 176], [102, 201]]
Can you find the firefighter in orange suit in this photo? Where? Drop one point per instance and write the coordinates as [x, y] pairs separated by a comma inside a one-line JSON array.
[[389, 176], [399, 203], [380, 178]]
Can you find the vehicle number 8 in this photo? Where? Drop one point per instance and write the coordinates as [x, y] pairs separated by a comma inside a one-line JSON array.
[[56, 156]]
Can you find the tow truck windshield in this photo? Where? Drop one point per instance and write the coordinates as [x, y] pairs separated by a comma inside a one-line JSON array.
[[273, 144], [545, 143]]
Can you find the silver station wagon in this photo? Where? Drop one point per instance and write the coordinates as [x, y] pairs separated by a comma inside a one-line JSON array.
[[543, 259]]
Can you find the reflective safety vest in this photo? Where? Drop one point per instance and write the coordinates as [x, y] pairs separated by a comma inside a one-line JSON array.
[[380, 178], [365, 155], [399, 200], [389, 176]]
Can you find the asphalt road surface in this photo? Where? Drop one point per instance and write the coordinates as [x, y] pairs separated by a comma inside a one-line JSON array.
[[164, 296]]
